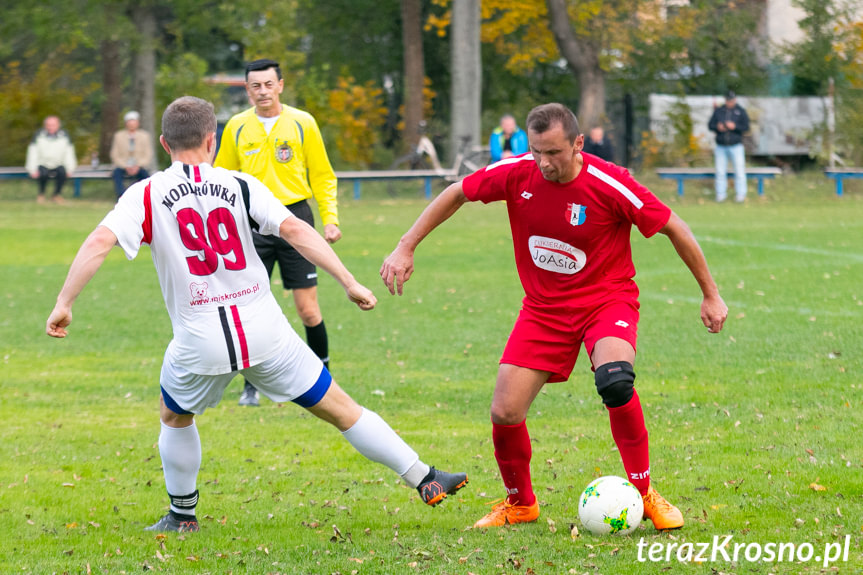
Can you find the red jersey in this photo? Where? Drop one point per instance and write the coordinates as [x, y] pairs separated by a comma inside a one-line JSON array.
[[571, 240]]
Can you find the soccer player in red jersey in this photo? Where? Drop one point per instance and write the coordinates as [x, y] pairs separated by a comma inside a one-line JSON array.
[[571, 214]]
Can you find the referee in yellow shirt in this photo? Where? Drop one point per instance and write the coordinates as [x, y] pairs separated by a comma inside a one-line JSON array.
[[282, 146]]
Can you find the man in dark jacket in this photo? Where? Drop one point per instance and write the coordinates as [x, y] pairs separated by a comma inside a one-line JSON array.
[[597, 144], [730, 122]]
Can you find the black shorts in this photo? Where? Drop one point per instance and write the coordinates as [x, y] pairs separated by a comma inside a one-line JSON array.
[[297, 272]]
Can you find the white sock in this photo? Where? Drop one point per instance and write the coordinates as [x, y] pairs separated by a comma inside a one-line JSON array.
[[377, 441], [180, 449]]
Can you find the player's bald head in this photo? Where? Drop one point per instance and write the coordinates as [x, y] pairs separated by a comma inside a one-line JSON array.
[[187, 122]]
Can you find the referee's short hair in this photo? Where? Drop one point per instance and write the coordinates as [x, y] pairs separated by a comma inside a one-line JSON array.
[[186, 123], [263, 64], [543, 117]]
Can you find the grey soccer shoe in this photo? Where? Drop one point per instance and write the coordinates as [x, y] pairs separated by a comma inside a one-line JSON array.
[[438, 484], [175, 522], [249, 397]]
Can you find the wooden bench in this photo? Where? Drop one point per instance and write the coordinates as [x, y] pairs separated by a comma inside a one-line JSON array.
[[840, 174], [427, 175], [683, 174], [102, 172]]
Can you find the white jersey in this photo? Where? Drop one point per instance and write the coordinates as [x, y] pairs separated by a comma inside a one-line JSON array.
[[198, 222]]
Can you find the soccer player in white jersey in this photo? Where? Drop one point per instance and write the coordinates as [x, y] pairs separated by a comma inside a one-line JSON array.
[[198, 221], [571, 215]]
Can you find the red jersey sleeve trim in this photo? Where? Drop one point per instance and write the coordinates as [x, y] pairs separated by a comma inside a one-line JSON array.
[[147, 226], [470, 185], [652, 232]]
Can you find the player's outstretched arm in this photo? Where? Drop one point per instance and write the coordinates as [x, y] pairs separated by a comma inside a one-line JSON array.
[[399, 265], [90, 257], [713, 308], [314, 248]]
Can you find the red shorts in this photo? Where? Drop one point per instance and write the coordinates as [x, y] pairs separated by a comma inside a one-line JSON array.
[[548, 339]]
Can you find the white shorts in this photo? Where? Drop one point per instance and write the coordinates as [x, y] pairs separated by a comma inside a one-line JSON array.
[[295, 373]]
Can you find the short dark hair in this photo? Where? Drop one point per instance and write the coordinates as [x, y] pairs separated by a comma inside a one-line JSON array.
[[263, 64], [186, 123], [543, 117]]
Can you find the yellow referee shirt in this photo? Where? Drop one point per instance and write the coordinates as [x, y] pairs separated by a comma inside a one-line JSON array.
[[291, 160]]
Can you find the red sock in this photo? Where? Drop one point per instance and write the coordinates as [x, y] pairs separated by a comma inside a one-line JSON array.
[[512, 451], [630, 435]]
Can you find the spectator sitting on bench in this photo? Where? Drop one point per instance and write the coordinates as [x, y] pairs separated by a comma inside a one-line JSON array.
[[507, 140], [51, 156], [131, 153]]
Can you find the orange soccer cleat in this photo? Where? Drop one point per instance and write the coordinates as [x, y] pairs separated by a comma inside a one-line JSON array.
[[663, 514], [505, 512]]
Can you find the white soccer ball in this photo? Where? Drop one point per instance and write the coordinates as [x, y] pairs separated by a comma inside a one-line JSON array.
[[610, 504]]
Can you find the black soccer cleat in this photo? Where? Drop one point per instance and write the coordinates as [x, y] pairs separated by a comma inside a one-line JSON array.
[[438, 484], [175, 522]]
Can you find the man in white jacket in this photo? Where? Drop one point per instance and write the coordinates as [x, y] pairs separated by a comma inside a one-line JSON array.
[[51, 156]]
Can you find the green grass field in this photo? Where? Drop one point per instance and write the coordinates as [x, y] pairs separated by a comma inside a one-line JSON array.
[[755, 432]]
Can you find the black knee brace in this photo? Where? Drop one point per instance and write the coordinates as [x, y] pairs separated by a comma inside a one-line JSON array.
[[614, 383]]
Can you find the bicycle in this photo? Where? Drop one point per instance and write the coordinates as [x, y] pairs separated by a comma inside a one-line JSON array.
[[469, 159], [423, 156]]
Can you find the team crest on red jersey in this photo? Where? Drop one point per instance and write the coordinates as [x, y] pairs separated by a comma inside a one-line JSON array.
[[284, 153], [576, 214]]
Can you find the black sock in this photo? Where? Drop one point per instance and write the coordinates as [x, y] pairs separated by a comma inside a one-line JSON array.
[[317, 339]]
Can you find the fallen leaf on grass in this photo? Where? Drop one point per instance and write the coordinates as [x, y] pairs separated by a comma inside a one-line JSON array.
[[573, 531], [551, 526], [339, 537], [816, 487]]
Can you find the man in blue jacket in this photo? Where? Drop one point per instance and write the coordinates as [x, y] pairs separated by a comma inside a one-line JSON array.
[[730, 122], [507, 140]]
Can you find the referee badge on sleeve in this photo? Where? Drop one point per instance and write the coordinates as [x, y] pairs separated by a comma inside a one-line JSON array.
[[284, 153]]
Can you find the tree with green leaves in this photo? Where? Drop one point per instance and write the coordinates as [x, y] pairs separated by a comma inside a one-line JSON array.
[[814, 61]]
